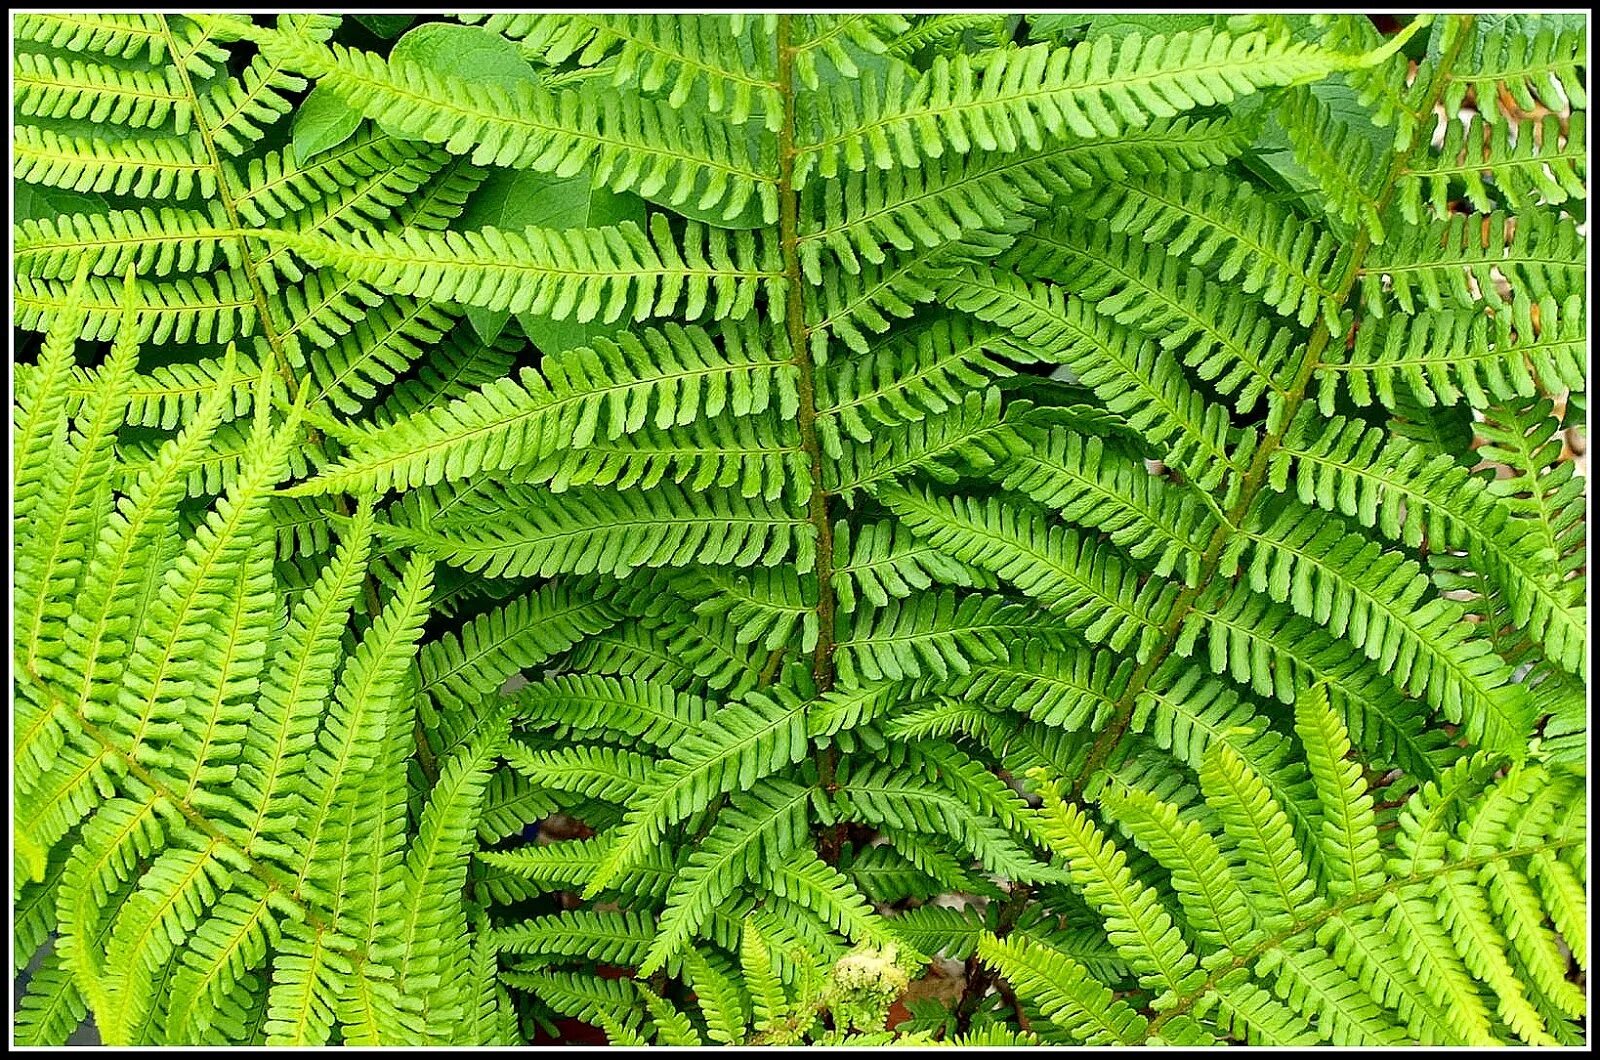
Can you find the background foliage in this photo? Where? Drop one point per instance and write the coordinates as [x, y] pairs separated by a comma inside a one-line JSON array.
[[760, 529]]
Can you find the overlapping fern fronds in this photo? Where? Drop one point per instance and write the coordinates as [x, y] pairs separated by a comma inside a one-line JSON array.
[[536, 518]]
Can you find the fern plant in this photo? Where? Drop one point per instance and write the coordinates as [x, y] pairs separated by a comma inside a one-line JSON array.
[[692, 524]]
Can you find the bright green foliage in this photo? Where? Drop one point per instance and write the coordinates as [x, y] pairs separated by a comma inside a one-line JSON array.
[[1383, 937], [676, 522]]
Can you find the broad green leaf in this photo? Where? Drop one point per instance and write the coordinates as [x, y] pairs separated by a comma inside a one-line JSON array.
[[323, 121], [386, 25]]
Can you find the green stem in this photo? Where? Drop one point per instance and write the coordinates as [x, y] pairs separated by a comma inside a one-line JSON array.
[[269, 876], [795, 321], [980, 977], [269, 330], [1255, 476], [1250, 957], [822, 670]]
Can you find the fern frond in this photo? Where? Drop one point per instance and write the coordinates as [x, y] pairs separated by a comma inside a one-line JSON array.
[[430, 916], [690, 653], [1512, 896], [120, 582], [755, 455], [118, 36], [1213, 903], [609, 938], [1077, 579], [1062, 686], [1137, 925], [52, 1007], [457, 367], [72, 493], [1009, 97], [548, 131], [1374, 599], [296, 686], [610, 387], [379, 349], [852, 308], [903, 382], [352, 732], [610, 774], [1222, 224], [1533, 65], [1269, 649], [927, 208], [278, 184], [764, 606], [40, 406], [679, 53], [151, 703], [1349, 842], [1063, 990], [611, 531], [724, 1000], [757, 737], [308, 977], [163, 168], [383, 198], [235, 109], [168, 395], [120, 835], [1094, 486], [1463, 909], [883, 561], [1228, 341], [577, 273], [457, 670], [1461, 258], [167, 905], [539, 521], [235, 942], [217, 308], [229, 452], [1395, 487], [611, 1004], [1323, 953], [54, 87], [1129, 373], [830, 894], [154, 243], [933, 633], [1529, 162], [969, 434], [654, 713], [568, 865], [763, 825], [838, 711], [1543, 491], [879, 794], [1335, 151], [1445, 355]]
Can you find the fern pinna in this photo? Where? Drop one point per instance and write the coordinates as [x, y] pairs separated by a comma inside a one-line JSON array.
[[620, 518]]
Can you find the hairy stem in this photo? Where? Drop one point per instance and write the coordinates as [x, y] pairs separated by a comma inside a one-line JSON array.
[[980, 977], [795, 320]]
